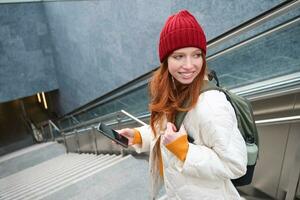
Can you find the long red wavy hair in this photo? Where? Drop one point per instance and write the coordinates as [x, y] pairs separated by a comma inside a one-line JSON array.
[[167, 97]]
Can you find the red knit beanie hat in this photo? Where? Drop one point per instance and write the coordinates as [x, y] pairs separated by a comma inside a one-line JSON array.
[[181, 30]]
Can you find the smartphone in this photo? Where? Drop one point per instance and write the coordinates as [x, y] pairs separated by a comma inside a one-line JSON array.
[[113, 135]]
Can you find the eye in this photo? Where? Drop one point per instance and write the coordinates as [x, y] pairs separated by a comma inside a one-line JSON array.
[[178, 57], [197, 55]]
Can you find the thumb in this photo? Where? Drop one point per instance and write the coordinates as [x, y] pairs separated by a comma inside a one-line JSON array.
[[171, 127]]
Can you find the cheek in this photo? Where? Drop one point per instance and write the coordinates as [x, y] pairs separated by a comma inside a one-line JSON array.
[[173, 68], [172, 72], [199, 65]]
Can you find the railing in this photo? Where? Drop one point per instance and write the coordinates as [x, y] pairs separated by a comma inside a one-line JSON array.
[[118, 119], [78, 128], [280, 120], [47, 131], [89, 127]]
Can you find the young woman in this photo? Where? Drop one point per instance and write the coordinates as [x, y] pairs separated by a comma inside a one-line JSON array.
[[202, 169]]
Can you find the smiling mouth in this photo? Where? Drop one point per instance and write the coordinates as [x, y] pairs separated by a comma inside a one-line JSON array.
[[186, 74]]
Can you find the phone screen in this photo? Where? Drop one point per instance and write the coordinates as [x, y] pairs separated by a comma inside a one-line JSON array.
[[113, 135]]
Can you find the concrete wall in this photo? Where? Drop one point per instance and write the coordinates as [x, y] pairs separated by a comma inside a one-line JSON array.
[[100, 45], [26, 59]]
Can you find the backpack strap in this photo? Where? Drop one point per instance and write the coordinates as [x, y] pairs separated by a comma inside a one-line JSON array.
[[207, 85]]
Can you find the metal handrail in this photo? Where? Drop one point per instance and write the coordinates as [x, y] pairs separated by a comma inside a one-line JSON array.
[[271, 15], [133, 117], [258, 122], [117, 121], [272, 87], [92, 121], [91, 126], [279, 120], [54, 125], [243, 43], [106, 118], [80, 130]]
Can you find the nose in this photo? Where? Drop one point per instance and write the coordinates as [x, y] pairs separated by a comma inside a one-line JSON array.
[[188, 63]]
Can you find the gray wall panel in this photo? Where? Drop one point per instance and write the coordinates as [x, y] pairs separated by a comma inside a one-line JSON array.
[[100, 45], [89, 48], [219, 16], [26, 60]]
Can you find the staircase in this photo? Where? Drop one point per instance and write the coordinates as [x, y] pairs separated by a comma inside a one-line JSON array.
[[79, 176], [45, 171]]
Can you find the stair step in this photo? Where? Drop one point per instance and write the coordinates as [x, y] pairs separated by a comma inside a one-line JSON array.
[[77, 178], [126, 180], [29, 157], [43, 171], [54, 177]]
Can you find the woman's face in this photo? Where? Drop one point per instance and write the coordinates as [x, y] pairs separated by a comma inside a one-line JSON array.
[[185, 64]]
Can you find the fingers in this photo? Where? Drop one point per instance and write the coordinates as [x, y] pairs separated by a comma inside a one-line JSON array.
[[171, 134], [171, 127], [121, 132], [125, 132], [128, 133]]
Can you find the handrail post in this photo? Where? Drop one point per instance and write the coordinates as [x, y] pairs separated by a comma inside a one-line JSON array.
[[65, 142], [43, 133], [95, 140], [77, 141], [54, 125], [51, 130], [118, 125]]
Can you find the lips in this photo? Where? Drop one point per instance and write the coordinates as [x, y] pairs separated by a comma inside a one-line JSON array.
[[186, 74]]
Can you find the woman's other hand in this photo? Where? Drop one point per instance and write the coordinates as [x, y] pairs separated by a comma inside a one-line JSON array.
[[128, 133], [171, 134]]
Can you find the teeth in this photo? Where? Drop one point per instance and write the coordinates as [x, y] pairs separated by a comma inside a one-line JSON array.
[[186, 74]]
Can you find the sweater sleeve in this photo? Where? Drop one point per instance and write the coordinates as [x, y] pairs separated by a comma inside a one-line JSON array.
[[145, 134], [179, 147], [137, 138], [223, 154]]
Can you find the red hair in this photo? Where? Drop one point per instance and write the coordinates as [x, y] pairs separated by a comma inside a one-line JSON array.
[[166, 100]]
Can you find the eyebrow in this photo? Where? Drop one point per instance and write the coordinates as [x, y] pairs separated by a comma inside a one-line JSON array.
[[179, 52]]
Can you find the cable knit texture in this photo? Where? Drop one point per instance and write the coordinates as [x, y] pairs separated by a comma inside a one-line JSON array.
[[181, 30]]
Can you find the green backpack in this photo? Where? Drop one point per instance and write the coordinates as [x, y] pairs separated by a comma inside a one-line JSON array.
[[246, 125]]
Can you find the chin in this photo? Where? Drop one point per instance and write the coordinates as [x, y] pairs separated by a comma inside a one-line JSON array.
[[186, 82]]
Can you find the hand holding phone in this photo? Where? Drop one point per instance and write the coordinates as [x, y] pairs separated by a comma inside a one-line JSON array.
[[128, 133], [113, 135]]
